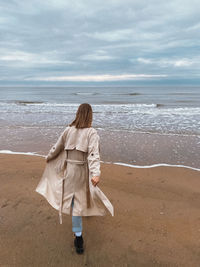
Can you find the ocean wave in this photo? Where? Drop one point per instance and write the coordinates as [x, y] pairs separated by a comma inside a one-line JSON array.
[[36, 103], [21, 102], [154, 109], [152, 166], [20, 153], [86, 93], [131, 93], [183, 93], [185, 101], [56, 104], [152, 117], [9, 106], [106, 93]]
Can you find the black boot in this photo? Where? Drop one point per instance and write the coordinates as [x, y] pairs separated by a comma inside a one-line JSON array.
[[78, 243]]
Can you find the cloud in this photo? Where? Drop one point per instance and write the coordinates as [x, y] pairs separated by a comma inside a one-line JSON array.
[[97, 56], [144, 60], [63, 38], [29, 59], [184, 62], [112, 36], [98, 78]]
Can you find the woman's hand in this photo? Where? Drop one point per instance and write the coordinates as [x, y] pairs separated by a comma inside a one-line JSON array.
[[95, 180], [47, 159]]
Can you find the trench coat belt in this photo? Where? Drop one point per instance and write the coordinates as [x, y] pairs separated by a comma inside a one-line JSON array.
[[87, 185]]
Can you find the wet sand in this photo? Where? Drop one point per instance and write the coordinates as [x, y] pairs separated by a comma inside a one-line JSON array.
[[156, 220], [135, 148]]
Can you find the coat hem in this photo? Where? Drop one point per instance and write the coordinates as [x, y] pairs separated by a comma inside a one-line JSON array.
[[68, 211]]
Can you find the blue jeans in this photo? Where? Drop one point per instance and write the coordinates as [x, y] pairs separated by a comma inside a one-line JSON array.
[[76, 221]]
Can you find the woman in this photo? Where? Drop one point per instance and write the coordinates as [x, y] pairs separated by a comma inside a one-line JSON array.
[[69, 182]]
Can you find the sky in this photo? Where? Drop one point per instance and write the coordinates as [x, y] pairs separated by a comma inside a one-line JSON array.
[[125, 42]]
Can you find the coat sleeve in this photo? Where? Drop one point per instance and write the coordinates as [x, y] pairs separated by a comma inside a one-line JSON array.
[[57, 147], [94, 154]]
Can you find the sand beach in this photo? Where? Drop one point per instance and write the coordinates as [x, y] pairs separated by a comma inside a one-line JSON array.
[[156, 220]]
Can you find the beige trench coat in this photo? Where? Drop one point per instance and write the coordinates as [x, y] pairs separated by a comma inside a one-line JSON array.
[[73, 161]]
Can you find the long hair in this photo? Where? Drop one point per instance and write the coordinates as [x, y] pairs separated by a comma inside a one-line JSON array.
[[83, 116]]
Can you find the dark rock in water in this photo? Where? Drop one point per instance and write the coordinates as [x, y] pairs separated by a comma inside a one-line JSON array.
[[159, 105], [21, 102], [134, 94]]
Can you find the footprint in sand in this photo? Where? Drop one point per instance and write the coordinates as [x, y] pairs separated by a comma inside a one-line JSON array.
[[5, 203]]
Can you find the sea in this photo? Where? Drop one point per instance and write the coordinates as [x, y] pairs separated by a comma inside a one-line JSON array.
[[126, 118]]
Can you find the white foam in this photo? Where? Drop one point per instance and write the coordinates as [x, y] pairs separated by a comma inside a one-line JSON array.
[[21, 153], [151, 166], [143, 132], [107, 162]]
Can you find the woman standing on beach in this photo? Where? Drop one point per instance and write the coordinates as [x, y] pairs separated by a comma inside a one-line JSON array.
[[69, 182]]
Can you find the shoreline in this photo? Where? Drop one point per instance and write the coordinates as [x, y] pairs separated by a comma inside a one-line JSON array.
[[107, 162], [115, 146]]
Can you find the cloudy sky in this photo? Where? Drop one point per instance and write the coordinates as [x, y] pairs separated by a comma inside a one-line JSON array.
[[59, 42]]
